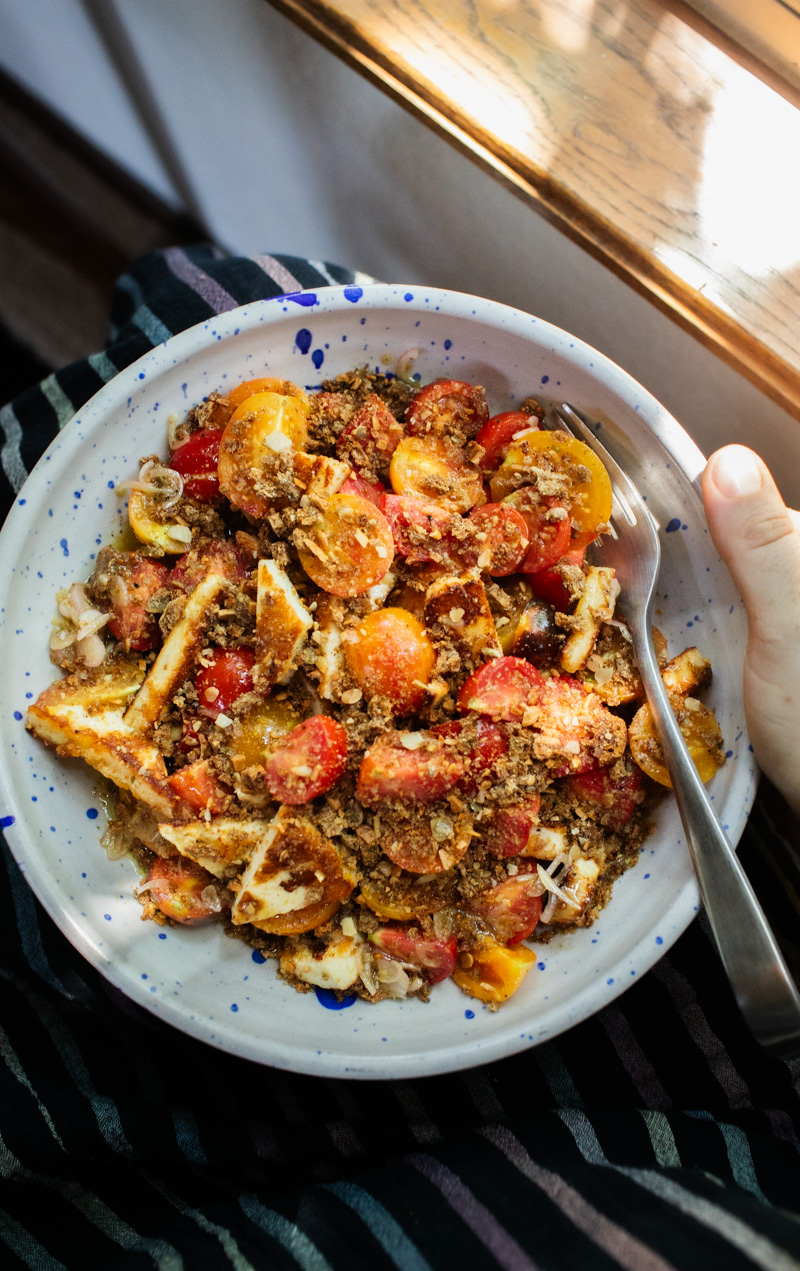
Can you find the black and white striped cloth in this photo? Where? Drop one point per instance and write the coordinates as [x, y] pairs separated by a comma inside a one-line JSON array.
[[656, 1135]]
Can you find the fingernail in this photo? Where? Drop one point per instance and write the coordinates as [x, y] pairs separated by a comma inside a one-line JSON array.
[[736, 471]]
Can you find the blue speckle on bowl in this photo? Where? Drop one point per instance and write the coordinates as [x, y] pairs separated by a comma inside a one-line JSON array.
[[328, 999]]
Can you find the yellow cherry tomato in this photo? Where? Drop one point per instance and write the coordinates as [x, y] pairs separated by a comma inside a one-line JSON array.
[[434, 468], [491, 971], [263, 428], [700, 730], [586, 487]]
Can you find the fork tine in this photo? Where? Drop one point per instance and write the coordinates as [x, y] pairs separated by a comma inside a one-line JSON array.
[[625, 494]]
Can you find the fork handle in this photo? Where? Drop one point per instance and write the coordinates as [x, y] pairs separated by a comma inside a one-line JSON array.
[[761, 981]]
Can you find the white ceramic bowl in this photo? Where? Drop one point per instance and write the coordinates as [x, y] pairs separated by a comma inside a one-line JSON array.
[[198, 979]]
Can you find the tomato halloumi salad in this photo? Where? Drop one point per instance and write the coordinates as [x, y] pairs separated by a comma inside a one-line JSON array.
[[361, 695]]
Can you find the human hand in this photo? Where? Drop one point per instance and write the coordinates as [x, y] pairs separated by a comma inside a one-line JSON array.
[[758, 538]]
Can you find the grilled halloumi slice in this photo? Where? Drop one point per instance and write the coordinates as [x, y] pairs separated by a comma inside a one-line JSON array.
[[82, 716], [595, 606], [337, 967], [218, 844], [282, 625], [546, 842], [318, 475], [295, 880], [579, 884], [459, 603], [177, 656]]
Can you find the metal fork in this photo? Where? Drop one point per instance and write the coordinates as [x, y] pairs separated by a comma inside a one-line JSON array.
[[760, 979]]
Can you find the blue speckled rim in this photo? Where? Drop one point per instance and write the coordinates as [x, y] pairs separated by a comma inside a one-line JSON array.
[[470, 338]]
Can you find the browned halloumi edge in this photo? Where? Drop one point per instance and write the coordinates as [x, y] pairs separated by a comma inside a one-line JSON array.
[[66, 716], [319, 475], [595, 606], [459, 604], [282, 625], [217, 845], [177, 655]]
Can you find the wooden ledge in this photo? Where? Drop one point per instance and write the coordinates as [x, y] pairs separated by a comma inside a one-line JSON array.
[[650, 144]]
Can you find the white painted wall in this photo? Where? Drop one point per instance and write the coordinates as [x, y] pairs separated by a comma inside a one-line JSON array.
[[286, 149]]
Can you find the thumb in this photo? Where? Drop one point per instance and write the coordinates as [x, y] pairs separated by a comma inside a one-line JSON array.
[[755, 534]]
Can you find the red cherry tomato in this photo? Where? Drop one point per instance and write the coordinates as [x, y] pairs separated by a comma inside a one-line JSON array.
[[177, 887], [197, 784], [489, 744], [497, 434], [511, 909], [572, 719], [139, 578], [374, 491], [436, 958], [549, 585], [502, 688], [510, 827], [616, 796], [223, 557], [389, 770], [421, 530], [229, 675], [197, 460], [548, 524], [371, 437], [504, 544], [447, 406], [307, 761]]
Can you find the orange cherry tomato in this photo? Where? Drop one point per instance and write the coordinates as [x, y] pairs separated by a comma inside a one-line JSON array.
[[308, 761], [501, 541], [447, 406], [548, 524], [491, 972], [264, 427], [700, 730], [371, 437], [197, 784], [177, 887], [268, 384], [497, 434], [392, 657], [436, 469], [511, 909], [510, 827], [434, 957], [502, 688], [253, 735], [588, 493], [571, 722], [414, 846], [391, 770], [350, 547]]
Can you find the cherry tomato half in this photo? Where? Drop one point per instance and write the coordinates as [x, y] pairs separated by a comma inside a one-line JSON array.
[[700, 730], [223, 557], [512, 909], [307, 761], [614, 796], [197, 461], [588, 492], [502, 688], [350, 547], [139, 578], [177, 887], [197, 784], [501, 542], [436, 469], [480, 750], [374, 491], [510, 827], [392, 657], [549, 585], [371, 437], [447, 406], [391, 770], [415, 846], [548, 525], [497, 434], [229, 675], [436, 958], [421, 530]]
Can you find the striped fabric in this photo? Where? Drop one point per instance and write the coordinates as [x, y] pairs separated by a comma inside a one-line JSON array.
[[654, 1136]]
